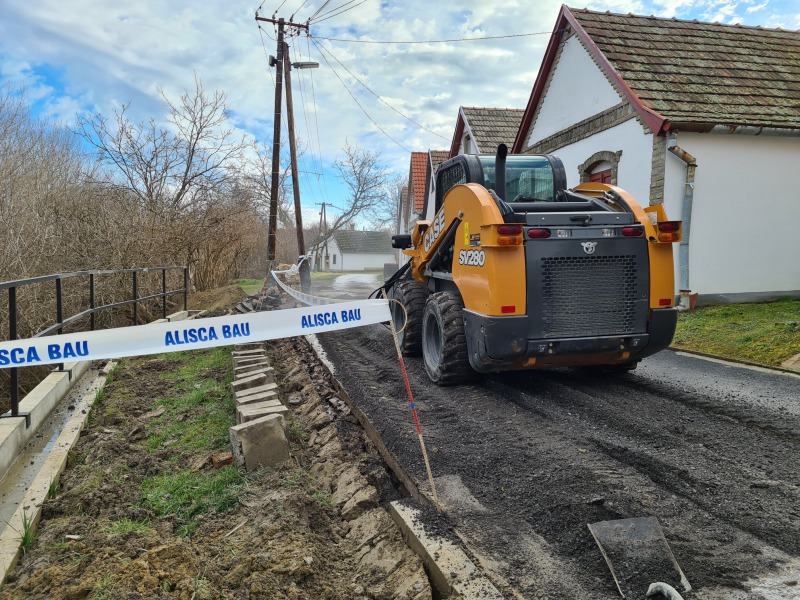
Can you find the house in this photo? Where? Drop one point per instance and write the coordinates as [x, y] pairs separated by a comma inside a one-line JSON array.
[[413, 197], [482, 130], [702, 117], [351, 250]]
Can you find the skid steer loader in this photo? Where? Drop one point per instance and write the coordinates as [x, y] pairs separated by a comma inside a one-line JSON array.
[[515, 271]]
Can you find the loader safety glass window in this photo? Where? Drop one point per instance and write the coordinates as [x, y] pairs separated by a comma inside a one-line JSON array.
[[528, 178]]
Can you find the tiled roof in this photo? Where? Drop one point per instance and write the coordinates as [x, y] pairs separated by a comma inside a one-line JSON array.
[[367, 242], [419, 164], [493, 126], [693, 72], [438, 157]]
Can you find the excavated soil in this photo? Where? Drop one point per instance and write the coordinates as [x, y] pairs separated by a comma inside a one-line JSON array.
[[314, 528]]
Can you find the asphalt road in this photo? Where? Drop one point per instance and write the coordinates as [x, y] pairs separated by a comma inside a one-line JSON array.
[[524, 461]]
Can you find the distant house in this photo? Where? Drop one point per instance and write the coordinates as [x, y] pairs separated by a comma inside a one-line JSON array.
[[702, 117], [350, 250], [482, 130], [413, 196]]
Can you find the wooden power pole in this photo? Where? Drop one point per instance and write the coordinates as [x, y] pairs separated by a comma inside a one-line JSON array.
[[281, 62]]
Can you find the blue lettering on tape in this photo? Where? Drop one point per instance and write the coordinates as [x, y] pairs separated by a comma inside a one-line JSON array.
[[234, 331], [67, 350], [319, 319], [193, 335], [351, 315], [19, 356]]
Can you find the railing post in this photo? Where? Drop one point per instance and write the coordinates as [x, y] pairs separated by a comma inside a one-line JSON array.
[[186, 289], [60, 316], [163, 293], [135, 296], [12, 335], [91, 299]]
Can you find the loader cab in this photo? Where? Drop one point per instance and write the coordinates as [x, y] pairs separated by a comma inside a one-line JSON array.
[[528, 177]]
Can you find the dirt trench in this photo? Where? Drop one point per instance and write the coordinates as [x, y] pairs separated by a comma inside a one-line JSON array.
[[314, 528]]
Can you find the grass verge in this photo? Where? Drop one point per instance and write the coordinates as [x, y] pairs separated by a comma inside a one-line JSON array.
[[765, 333], [250, 286]]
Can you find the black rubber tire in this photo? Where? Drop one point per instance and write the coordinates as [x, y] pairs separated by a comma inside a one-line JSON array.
[[412, 295], [444, 342]]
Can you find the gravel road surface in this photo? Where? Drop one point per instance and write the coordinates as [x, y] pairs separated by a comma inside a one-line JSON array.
[[524, 461]]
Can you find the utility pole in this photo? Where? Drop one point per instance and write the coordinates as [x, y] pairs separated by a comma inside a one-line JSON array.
[[305, 271], [278, 62]]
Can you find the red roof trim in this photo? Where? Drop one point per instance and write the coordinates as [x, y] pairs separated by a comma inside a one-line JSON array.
[[652, 119], [456, 143]]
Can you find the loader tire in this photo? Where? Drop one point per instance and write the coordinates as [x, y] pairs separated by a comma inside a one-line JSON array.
[[412, 295], [444, 341]]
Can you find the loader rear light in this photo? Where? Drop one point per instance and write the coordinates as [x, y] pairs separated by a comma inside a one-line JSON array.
[[632, 232], [508, 309], [665, 302], [669, 226], [538, 234], [509, 235], [668, 237]]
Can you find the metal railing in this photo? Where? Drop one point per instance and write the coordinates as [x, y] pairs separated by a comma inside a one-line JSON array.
[[90, 312]]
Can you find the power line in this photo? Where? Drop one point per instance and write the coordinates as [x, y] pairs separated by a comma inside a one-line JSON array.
[[473, 39], [383, 131], [320, 9], [298, 10], [320, 20], [332, 10], [381, 99], [316, 120]]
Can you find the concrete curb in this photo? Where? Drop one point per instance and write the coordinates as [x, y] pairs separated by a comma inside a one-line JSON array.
[[30, 509], [734, 361], [451, 571]]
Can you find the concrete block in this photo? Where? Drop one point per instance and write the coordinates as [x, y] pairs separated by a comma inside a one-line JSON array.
[[254, 370], [262, 397], [260, 443], [249, 353], [249, 360], [249, 346], [251, 381], [267, 387], [249, 412]]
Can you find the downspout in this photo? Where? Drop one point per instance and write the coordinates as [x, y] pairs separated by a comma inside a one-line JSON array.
[[686, 217]]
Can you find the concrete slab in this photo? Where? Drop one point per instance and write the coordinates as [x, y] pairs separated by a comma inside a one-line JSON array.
[[249, 353], [260, 443], [241, 361], [250, 412], [452, 572], [245, 383], [793, 364], [262, 397], [267, 387], [255, 370]]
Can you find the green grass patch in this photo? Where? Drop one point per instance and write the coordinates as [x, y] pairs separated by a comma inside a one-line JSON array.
[[197, 417], [250, 286], [129, 526], [184, 495], [765, 333]]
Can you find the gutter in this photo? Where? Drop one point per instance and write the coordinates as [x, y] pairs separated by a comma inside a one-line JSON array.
[[686, 217]]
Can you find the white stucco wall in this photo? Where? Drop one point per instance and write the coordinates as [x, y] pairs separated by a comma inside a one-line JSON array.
[[359, 262], [745, 212], [578, 90], [635, 162]]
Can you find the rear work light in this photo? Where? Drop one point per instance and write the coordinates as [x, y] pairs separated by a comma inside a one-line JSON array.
[[632, 231], [538, 234], [669, 226], [509, 235], [508, 309]]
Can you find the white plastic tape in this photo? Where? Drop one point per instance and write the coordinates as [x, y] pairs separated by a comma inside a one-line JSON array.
[[307, 299], [191, 335]]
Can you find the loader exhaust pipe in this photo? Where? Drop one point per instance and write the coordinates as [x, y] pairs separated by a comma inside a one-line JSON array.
[[500, 171]]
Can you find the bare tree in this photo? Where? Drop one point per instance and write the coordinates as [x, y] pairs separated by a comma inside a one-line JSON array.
[[368, 183]]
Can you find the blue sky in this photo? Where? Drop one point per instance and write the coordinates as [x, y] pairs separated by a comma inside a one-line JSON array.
[[80, 56]]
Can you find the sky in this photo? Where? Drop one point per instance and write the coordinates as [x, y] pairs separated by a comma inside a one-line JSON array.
[[91, 56]]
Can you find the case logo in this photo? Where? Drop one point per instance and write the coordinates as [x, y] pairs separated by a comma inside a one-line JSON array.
[[589, 247]]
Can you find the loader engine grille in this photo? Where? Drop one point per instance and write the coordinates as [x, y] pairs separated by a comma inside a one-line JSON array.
[[588, 295]]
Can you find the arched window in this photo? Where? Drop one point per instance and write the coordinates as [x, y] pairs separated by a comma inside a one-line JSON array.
[[600, 167]]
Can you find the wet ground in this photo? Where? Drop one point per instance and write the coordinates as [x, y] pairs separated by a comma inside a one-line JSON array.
[[525, 461]]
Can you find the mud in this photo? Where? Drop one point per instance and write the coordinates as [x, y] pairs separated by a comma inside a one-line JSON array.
[[532, 458], [314, 528]]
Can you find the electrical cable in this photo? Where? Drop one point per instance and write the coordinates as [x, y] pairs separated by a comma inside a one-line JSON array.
[[475, 39], [316, 120], [298, 10], [320, 9], [381, 99], [334, 9], [320, 20], [357, 102]]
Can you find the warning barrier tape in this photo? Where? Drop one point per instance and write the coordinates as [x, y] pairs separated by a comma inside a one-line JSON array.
[[211, 332], [307, 299]]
